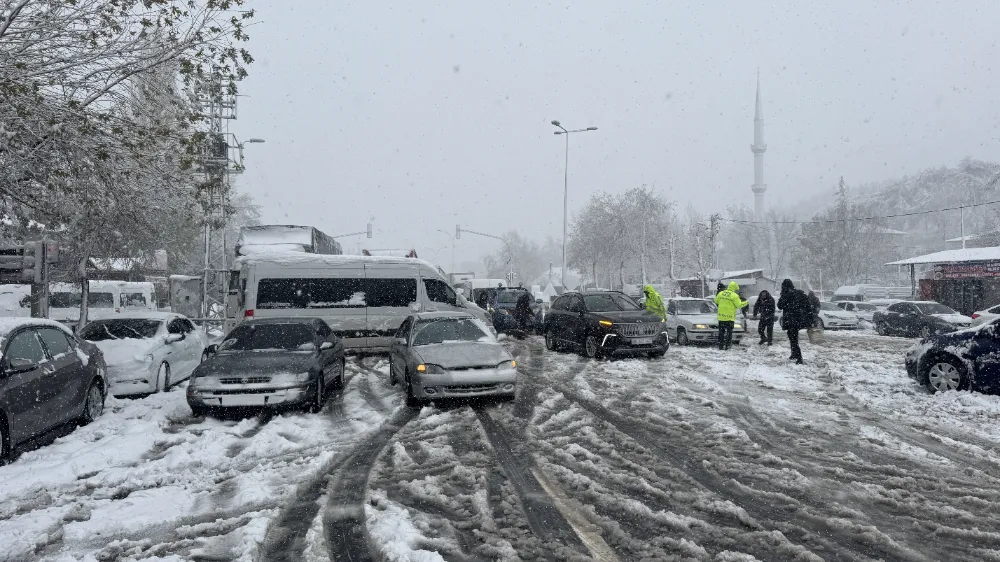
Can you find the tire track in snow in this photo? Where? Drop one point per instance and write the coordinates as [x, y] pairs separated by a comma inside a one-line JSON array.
[[813, 530], [544, 517], [366, 389], [344, 517]]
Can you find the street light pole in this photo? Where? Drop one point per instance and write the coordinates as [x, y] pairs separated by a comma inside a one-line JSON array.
[[563, 131], [448, 234]]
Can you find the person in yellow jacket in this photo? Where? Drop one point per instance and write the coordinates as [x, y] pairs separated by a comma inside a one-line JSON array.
[[729, 302], [654, 302]]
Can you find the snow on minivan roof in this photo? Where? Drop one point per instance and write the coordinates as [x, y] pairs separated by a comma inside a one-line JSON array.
[[301, 258]]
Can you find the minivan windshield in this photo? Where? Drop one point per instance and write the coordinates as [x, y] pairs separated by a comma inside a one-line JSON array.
[[270, 337]]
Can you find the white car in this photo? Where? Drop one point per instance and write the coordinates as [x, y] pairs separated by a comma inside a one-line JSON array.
[[696, 321], [985, 316], [835, 318], [882, 304], [146, 351], [864, 310]]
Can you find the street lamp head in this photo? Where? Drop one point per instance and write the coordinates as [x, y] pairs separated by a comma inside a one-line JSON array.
[[556, 123], [254, 141], [557, 133], [591, 128]]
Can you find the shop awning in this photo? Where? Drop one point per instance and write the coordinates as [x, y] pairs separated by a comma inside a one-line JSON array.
[[961, 255]]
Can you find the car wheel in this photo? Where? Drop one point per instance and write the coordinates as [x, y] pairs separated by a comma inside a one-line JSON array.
[[926, 332], [94, 404], [946, 374], [318, 397], [550, 341], [411, 400], [163, 377], [882, 329], [590, 347], [682, 337]]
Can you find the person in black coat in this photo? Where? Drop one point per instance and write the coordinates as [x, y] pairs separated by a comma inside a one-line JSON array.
[[814, 308], [764, 309], [523, 314], [796, 315]]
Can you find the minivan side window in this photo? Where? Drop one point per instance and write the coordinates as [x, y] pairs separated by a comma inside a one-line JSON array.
[[439, 291], [331, 292], [398, 293]]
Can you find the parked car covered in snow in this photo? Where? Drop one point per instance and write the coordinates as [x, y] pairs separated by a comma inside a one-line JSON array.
[[146, 352], [863, 310], [962, 360], [692, 320], [604, 323], [919, 318], [985, 316], [48, 377], [270, 363], [835, 318], [439, 355]]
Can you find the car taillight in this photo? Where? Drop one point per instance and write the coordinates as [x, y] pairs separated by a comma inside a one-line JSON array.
[[248, 314], [975, 315]]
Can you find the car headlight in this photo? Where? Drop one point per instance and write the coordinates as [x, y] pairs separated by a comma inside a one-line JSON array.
[[737, 327], [505, 365], [701, 326], [430, 369]]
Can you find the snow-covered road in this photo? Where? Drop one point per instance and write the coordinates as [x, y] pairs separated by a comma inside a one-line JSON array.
[[704, 455]]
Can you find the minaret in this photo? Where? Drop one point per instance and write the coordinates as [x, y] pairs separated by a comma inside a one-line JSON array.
[[758, 147]]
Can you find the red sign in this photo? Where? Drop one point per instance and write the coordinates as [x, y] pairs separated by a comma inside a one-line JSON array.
[[989, 269]]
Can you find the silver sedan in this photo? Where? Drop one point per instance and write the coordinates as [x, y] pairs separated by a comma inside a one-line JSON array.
[[438, 355]]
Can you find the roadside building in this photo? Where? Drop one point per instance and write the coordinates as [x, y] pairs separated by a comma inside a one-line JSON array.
[[966, 279]]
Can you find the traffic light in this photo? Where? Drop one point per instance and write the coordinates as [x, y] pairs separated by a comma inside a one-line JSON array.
[[32, 262]]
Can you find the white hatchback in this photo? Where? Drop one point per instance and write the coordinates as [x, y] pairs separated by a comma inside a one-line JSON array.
[[985, 316], [833, 317], [146, 352]]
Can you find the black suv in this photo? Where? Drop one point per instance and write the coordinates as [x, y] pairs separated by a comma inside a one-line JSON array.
[[604, 323]]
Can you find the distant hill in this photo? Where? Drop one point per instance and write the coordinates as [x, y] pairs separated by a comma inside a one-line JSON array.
[[970, 182]]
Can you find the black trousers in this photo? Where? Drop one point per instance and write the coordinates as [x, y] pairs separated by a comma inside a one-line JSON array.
[[766, 330], [793, 342], [726, 333]]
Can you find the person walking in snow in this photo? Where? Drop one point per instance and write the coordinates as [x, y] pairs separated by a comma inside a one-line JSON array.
[[764, 309], [729, 302], [814, 309], [654, 302], [796, 315]]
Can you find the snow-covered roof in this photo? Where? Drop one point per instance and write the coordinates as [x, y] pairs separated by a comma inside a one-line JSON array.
[[9, 323], [276, 234], [884, 230], [730, 275], [966, 238], [248, 249], [158, 261], [954, 256], [302, 258]]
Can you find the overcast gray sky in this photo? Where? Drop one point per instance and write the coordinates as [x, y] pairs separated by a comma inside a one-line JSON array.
[[430, 114]]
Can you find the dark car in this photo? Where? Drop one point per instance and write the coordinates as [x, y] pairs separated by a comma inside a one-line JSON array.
[[963, 360], [270, 363], [604, 323], [48, 377], [918, 318], [503, 307]]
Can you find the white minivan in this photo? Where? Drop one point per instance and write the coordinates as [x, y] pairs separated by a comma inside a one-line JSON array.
[[364, 299], [105, 300]]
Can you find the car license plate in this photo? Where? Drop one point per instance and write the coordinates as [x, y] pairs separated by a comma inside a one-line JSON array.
[[244, 400], [642, 341]]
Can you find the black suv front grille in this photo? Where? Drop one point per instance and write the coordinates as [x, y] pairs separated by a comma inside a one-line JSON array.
[[638, 330]]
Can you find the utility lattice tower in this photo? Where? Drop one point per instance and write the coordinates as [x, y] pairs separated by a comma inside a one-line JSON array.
[[217, 102]]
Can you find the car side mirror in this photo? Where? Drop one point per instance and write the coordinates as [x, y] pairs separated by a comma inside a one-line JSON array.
[[325, 345], [212, 349], [15, 366], [401, 341], [174, 338]]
